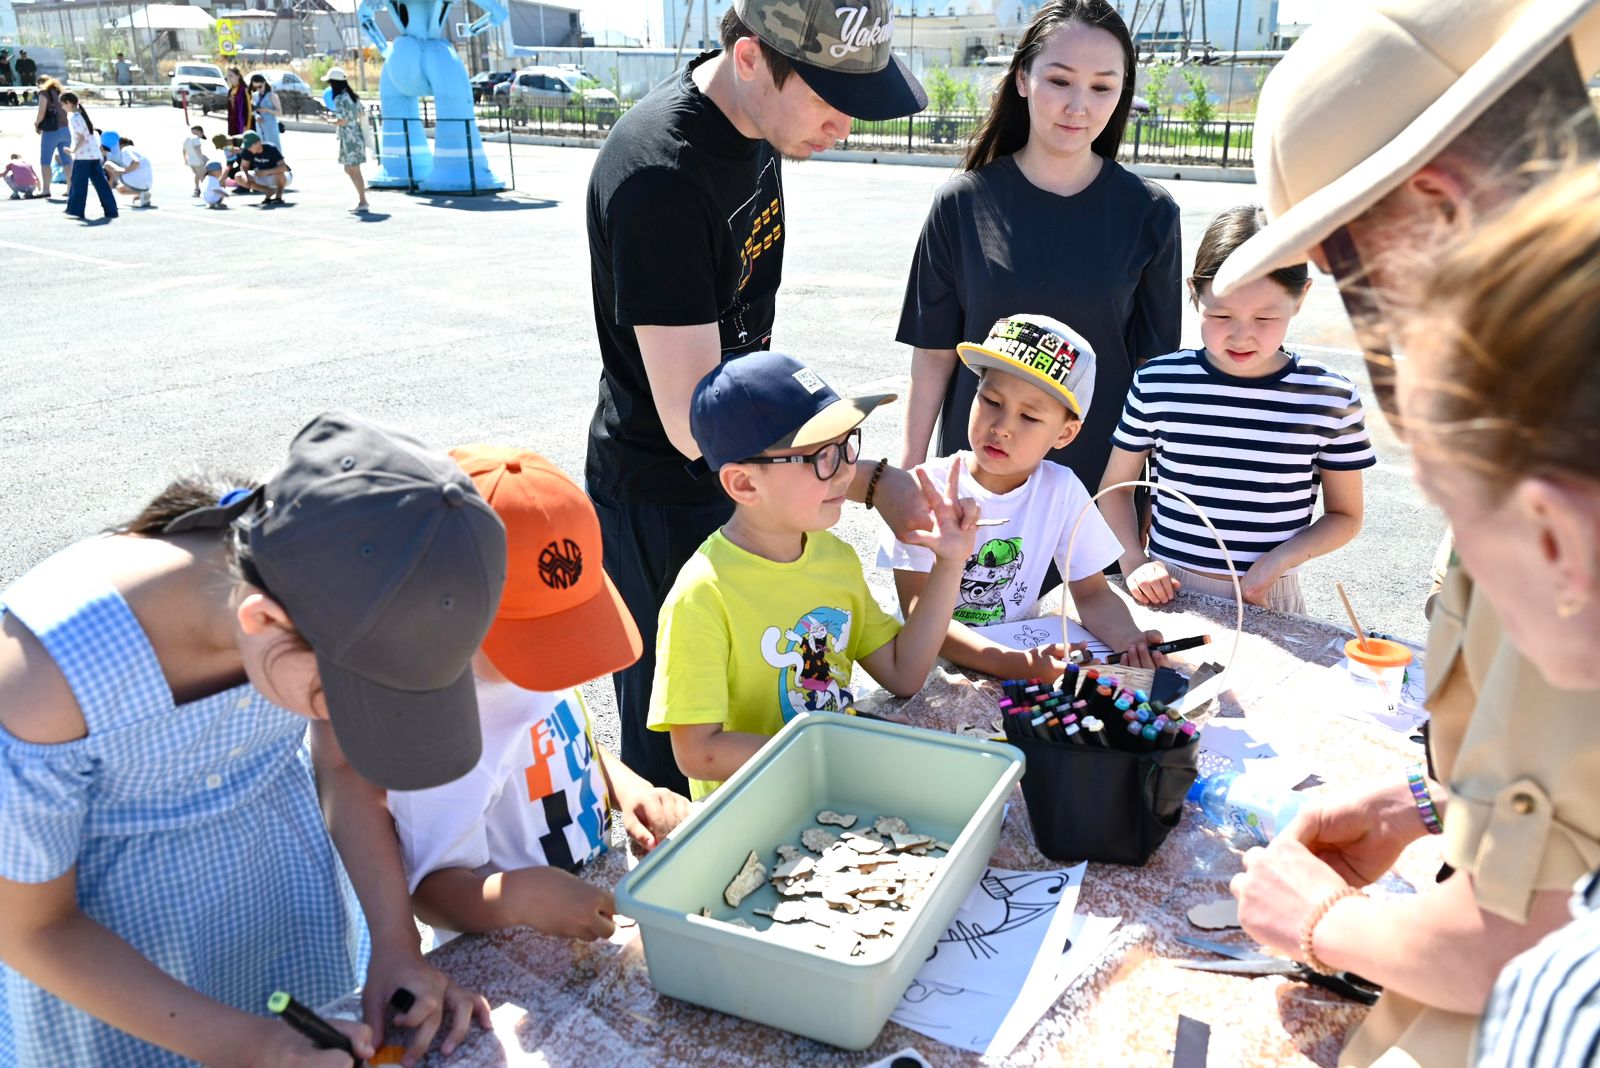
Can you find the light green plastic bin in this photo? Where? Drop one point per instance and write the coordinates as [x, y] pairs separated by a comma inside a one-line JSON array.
[[951, 787]]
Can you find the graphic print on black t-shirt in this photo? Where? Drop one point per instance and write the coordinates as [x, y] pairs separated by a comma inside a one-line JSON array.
[[762, 217]]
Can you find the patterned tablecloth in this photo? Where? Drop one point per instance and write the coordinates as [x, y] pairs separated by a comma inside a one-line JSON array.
[[564, 1003]]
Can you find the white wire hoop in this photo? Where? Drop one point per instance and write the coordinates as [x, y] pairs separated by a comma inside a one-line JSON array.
[[1233, 572]]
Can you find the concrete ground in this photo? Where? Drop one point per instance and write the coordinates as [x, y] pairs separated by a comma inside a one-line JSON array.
[[176, 338]]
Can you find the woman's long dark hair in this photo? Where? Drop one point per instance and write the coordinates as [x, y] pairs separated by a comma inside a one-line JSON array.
[[72, 98], [342, 87], [1005, 130], [182, 495]]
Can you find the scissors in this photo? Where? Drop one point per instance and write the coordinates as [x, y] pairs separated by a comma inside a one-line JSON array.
[[1252, 962]]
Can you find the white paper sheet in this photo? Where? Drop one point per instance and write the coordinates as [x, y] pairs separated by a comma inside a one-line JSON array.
[[1010, 951], [1045, 630]]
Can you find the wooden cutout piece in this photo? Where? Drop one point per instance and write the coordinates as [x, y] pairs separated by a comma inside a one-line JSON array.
[[836, 819], [1216, 915], [751, 876]]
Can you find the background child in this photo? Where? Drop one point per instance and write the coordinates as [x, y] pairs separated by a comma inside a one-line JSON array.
[[1247, 429], [211, 190], [1036, 377], [22, 179], [230, 148], [769, 616], [194, 156], [128, 169], [499, 846]]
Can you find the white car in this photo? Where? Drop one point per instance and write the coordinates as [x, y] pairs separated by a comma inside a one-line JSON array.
[[294, 94], [555, 87], [199, 80]]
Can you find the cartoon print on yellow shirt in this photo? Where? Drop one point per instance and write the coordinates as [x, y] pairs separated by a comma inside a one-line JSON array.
[[807, 680]]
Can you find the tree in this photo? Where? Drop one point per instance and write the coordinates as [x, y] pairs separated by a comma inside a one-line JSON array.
[[1157, 91], [1198, 108], [944, 91]]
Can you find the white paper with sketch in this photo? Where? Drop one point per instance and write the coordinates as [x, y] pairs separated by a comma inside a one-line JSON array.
[[1044, 630], [1011, 940]]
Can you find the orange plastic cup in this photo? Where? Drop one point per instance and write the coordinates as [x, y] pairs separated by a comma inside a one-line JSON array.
[[1383, 662]]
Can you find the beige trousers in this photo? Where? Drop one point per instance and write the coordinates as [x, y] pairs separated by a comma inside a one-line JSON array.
[[1283, 596]]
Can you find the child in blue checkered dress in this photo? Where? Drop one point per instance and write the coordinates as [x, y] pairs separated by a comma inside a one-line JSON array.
[[164, 865]]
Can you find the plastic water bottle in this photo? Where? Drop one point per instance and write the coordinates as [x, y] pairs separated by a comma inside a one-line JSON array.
[[1248, 806]]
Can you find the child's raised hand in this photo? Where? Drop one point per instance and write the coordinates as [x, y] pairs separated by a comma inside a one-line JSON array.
[[1150, 583], [955, 518], [652, 814], [561, 904]]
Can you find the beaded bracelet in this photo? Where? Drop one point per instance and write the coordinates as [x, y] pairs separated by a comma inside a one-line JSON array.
[[872, 486], [1308, 930], [1424, 800]]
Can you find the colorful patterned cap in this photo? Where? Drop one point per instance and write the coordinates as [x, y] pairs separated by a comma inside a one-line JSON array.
[[1042, 350]]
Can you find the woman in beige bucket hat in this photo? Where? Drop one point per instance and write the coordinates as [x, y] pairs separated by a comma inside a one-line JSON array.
[[1388, 129]]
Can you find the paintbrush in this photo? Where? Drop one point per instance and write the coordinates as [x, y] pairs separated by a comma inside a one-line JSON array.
[[1350, 610]]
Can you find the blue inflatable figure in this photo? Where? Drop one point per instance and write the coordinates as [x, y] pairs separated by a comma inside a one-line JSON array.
[[422, 62]]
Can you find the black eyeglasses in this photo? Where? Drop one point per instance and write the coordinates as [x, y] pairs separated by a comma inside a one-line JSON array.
[[825, 461], [1366, 318]]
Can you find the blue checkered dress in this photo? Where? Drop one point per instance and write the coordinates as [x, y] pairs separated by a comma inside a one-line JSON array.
[[195, 830]]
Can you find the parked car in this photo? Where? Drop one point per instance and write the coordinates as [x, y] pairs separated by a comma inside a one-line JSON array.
[[294, 95], [204, 83], [553, 87], [486, 84]]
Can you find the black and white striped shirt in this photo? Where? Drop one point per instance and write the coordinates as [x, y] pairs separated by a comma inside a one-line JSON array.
[[1247, 450], [1545, 1010]]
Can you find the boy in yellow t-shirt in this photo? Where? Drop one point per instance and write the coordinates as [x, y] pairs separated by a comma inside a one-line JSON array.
[[767, 619]]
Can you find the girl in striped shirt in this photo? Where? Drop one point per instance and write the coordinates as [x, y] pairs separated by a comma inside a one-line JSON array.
[[1250, 431]]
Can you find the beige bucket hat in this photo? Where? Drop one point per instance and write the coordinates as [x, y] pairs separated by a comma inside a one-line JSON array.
[[1375, 91]]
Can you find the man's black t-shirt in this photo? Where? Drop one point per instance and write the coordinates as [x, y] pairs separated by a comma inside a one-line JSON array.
[[685, 219], [265, 160]]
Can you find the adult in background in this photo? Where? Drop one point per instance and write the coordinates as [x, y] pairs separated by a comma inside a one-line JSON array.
[[1043, 220], [1389, 129], [124, 75], [8, 78], [264, 102], [263, 169], [241, 117], [349, 117], [27, 69], [686, 236], [86, 163], [55, 137]]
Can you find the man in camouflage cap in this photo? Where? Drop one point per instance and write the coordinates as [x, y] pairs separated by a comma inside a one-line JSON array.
[[686, 236]]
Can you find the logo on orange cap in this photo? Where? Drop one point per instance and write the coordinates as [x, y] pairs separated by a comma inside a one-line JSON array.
[[561, 621]]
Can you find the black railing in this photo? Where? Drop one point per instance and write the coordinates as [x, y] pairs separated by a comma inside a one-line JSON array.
[[1223, 143]]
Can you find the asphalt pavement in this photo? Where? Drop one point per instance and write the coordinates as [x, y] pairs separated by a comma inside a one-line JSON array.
[[177, 338]]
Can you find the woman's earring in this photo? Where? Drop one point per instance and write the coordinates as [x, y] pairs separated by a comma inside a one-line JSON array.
[[1569, 605]]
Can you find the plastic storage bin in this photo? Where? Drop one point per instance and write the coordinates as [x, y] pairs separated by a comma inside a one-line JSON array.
[[951, 787]]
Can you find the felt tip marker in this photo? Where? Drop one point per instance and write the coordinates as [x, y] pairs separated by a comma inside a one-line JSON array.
[[1096, 731], [1177, 645], [321, 1033]]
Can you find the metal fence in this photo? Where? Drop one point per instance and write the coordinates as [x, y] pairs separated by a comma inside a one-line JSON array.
[[1223, 143]]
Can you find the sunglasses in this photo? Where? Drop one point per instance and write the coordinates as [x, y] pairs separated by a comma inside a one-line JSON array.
[[1366, 317], [826, 461]]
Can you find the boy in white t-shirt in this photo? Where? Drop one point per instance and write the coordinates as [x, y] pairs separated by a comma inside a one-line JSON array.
[[211, 191], [194, 156], [501, 846], [1037, 376], [130, 172]]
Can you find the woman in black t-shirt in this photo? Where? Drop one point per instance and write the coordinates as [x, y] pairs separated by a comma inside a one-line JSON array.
[[1043, 220]]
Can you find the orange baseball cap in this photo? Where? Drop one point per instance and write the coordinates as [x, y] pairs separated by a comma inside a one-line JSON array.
[[561, 622]]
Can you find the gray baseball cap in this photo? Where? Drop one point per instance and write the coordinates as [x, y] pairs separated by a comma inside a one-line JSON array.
[[841, 50], [391, 566]]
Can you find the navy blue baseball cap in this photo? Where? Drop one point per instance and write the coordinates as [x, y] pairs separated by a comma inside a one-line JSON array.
[[767, 400]]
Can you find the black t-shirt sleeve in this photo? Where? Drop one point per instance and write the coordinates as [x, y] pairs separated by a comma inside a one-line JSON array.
[[1155, 321], [663, 245], [932, 316]]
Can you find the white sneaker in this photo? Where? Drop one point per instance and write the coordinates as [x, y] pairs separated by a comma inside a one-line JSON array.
[[144, 199]]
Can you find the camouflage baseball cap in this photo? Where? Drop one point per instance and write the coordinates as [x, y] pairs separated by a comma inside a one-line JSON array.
[[841, 50]]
